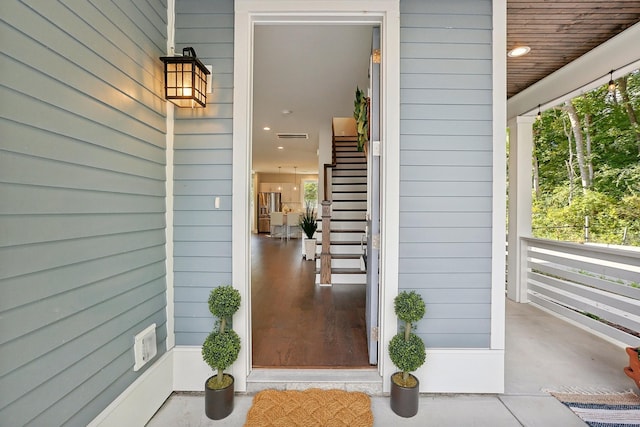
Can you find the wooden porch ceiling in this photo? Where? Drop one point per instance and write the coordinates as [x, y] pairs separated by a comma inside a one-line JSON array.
[[560, 31]]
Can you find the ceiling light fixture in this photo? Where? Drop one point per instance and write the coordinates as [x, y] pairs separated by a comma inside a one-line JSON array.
[[185, 79], [266, 128], [612, 83], [519, 51], [280, 147]]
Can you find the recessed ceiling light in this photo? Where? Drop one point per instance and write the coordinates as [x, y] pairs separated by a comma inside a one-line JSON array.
[[286, 112], [281, 148], [266, 128], [519, 51]]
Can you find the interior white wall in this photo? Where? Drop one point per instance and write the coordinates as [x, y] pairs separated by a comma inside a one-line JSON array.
[[324, 157]]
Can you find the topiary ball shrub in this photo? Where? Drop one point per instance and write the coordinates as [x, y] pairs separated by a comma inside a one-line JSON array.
[[409, 306], [224, 301], [406, 349], [222, 346], [220, 350], [407, 355]]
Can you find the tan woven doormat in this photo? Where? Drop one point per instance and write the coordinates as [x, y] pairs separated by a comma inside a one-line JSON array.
[[312, 407]]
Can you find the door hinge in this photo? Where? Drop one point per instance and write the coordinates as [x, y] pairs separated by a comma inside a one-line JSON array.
[[375, 241], [374, 333], [375, 145]]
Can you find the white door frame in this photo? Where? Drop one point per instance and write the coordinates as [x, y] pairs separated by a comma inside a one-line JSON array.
[[385, 13]]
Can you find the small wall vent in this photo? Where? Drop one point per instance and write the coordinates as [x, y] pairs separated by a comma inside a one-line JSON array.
[[292, 135], [144, 347]]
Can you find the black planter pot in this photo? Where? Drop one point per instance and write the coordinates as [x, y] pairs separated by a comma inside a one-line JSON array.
[[218, 404], [404, 400]]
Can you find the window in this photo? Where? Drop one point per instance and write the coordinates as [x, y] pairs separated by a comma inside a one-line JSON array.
[[310, 192]]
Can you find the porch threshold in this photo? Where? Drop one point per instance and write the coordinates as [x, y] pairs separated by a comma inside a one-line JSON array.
[[366, 380]]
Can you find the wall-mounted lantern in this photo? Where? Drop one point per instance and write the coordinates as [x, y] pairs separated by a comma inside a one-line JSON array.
[[185, 79]]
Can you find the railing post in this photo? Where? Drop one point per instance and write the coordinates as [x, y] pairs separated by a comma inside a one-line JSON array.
[[325, 255], [522, 290]]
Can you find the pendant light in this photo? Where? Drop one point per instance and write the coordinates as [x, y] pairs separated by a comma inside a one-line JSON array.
[[295, 178], [612, 83], [279, 180]]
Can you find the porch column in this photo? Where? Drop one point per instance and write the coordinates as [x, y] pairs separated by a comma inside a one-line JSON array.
[[520, 188]]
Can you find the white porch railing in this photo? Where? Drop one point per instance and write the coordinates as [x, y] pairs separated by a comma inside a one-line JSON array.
[[593, 285]]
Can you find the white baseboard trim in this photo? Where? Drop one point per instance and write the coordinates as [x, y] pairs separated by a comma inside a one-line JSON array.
[[462, 371], [140, 401], [445, 371], [190, 371], [182, 369]]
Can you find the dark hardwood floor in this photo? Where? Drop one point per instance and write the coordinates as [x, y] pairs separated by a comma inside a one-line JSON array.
[[295, 323]]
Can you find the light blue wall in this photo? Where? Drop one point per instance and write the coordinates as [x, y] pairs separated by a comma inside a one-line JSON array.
[[446, 167], [82, 200], [202, 160], [82, 171]]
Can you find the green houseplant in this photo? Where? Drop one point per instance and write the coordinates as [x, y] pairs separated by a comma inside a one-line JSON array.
[[309, 225], [407, 352], [360, 113], [219, 350]]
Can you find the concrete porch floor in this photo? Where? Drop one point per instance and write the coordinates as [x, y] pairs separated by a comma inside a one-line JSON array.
[[542, 352]]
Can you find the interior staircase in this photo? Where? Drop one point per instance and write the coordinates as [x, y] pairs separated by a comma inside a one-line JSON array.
[[348, 214]]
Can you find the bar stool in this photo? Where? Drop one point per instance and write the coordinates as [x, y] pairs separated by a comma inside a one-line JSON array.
[[277, 224], [293, 223]]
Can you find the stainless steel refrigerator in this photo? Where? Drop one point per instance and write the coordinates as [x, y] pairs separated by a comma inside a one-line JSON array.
[[267, 203]]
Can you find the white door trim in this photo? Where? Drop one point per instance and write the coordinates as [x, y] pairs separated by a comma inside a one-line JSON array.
[[499, 200], [386, 13]]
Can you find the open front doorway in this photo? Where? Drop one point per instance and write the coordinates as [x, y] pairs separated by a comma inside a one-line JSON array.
[[248, 14], [303, 76]]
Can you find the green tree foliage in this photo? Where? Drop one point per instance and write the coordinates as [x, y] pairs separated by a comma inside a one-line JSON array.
[[611, 143], [310, 192]]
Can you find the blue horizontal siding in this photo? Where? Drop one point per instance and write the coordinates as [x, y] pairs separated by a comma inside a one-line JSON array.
[[82, 222], [203, 171], [446, 142], [445, 164], [457, 280], [446, 167], [22, 230]]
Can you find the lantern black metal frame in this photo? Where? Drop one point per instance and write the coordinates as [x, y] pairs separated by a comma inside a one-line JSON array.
[[185, 79]]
